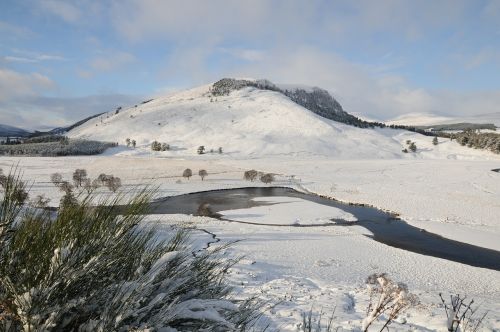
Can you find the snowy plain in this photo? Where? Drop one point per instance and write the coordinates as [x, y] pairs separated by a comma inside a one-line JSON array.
[[445, 189]]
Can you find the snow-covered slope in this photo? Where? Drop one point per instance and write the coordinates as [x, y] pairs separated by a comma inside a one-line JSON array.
[[248, 121]]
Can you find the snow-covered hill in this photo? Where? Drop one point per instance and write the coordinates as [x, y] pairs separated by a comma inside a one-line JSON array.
[[250, 122]]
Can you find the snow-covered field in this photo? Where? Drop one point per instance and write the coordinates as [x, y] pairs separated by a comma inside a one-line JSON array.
[[446, 189], [325, 267]]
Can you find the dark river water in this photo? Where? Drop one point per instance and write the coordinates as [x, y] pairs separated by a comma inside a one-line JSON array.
[[384, 227]]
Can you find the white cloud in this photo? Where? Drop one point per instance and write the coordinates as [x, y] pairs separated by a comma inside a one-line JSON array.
[[62, 9], [9, 58], [284, 21], [30, 57], [487, 55], [8, 30], [245, 54], [111, 61], [15, 85], [39, 112]]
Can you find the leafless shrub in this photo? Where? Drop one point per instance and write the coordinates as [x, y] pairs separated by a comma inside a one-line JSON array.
[[461, 316]]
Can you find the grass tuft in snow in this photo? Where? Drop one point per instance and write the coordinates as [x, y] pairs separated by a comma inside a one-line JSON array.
[[90, 267], [310, 323]]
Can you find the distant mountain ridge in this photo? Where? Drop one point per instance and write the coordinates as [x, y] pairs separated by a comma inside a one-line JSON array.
[[11, 131]]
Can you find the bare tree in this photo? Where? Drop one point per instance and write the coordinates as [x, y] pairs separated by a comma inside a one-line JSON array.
[[202, 173], [79, 177], [187, 173], [250, 175], [56, 179], [90, 185], [102, 178], [113, 183], [267, 178], [201, 149]]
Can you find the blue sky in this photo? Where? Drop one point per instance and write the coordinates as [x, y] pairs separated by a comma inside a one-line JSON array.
[[61, 61]]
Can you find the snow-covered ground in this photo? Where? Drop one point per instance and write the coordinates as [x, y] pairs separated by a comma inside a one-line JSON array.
[[325, 267], [288, 211], [446, 189]]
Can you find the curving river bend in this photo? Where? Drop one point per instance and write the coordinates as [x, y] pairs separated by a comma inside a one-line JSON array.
[[383, 225]]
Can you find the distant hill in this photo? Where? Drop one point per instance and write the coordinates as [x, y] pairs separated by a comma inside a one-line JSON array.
[[63, 130], [10, 131], [255, 118], [458, 126], [432, 120]]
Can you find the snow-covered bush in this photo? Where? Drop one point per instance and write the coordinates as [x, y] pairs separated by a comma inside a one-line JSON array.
[[387, 298], [93, 268], [157, 146]]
